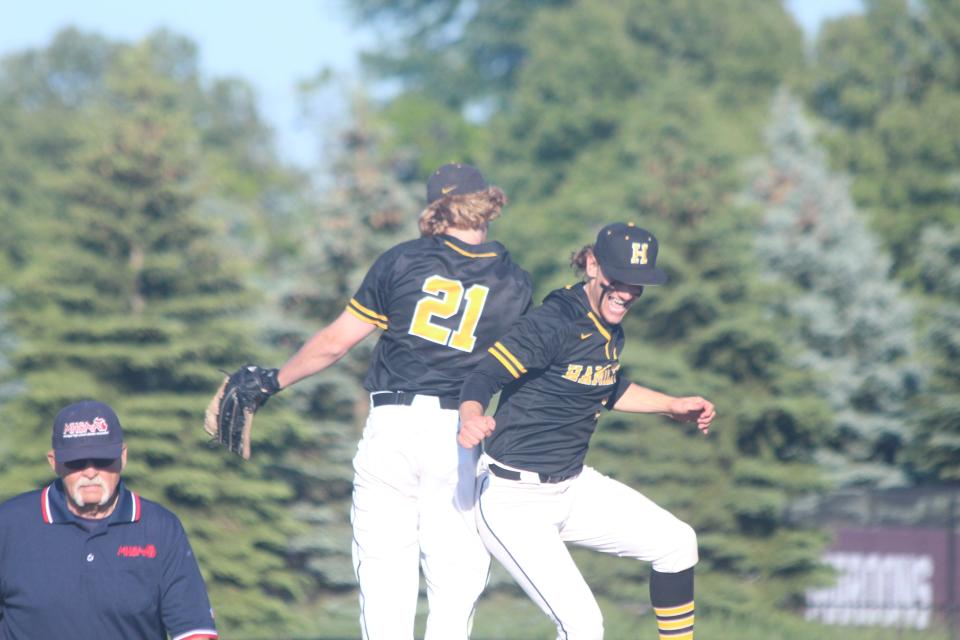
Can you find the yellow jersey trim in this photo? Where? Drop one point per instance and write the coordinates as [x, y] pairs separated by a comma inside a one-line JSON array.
[[369, 312], [462, 252], [368, 320], [512, 358], [506, 363], [604, 333]]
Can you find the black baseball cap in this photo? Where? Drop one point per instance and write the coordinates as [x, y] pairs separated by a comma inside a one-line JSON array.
[[628, 254], [87, 429], [454, 180]]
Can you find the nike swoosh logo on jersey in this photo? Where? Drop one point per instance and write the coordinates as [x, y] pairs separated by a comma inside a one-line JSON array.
[[584, 336]]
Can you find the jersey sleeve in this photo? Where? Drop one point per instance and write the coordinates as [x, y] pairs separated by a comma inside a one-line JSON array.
[[185, 606], [370, 301], [531, 344], [619, 388]]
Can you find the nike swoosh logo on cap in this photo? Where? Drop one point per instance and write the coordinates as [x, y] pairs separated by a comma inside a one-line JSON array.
[[446, 190]]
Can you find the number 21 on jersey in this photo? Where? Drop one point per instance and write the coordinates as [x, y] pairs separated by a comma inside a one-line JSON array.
[[444, 301]]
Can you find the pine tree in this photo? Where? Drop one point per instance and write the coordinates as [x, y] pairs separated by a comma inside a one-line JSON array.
[[933, 456], [131, 300], [853, 326], [888, 81]]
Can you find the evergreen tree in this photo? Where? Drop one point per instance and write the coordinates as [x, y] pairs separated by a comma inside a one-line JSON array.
[[934, 454], [854, 327], [131, 300], [365, 210], [458, 53], [456, 64], [611, 102], [889, 82], [13, 220], [239, 182]]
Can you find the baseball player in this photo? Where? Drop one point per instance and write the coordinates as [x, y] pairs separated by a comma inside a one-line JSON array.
[[558, 367], [440, 301]]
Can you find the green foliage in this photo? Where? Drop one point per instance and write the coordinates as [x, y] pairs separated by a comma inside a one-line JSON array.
[[851, 325], [933, 456], [888, 80], [429, 134], [124, 294], [459, 53], [497, 618], [609, 121]]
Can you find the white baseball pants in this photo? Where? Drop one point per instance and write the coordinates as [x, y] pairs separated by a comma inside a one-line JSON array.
[[413, 498], [525, 525]]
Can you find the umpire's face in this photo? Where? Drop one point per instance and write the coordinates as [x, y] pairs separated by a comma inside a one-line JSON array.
[[609, 299], [89, 483]]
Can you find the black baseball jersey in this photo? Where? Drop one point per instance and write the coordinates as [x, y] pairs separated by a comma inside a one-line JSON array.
[[558, 366], [441, 303]]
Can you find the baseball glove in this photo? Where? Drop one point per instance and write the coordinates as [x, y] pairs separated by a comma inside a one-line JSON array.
[[229, 416]]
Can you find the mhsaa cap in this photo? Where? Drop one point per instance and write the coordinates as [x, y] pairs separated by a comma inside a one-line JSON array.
[[87, 429]]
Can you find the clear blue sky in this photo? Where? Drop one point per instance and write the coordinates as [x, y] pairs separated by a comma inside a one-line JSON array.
[[270, 44]]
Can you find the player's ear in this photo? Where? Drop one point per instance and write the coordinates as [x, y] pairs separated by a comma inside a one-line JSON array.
[[52, 459], [592, 268], [123, 458]]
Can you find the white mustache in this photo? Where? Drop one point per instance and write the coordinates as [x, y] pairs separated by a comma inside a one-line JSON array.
[[90, 482]]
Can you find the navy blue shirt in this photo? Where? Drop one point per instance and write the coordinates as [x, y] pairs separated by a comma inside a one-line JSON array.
[[558, 366], [134, 577]]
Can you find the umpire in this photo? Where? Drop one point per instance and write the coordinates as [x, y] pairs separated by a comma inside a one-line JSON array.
[[86, 558], [558, 367]]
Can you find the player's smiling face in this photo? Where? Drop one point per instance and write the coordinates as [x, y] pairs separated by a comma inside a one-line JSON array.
[[609, 299]]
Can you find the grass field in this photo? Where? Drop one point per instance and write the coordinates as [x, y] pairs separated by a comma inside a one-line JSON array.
[[500, 618], [503, 616]]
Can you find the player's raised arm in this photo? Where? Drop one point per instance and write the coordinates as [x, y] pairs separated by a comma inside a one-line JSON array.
[[326, 347], [638, 399]]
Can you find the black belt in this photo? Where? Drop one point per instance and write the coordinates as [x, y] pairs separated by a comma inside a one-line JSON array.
[[405, 398], [545, 478]]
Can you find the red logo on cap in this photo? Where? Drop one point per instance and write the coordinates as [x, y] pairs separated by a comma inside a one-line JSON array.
[[99, 426]]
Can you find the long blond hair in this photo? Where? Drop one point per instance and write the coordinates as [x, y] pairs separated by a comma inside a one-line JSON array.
[[468, 211]]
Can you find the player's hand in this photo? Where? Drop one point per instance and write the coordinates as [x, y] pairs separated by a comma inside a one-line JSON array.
[[475, 429], [694, 409]]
